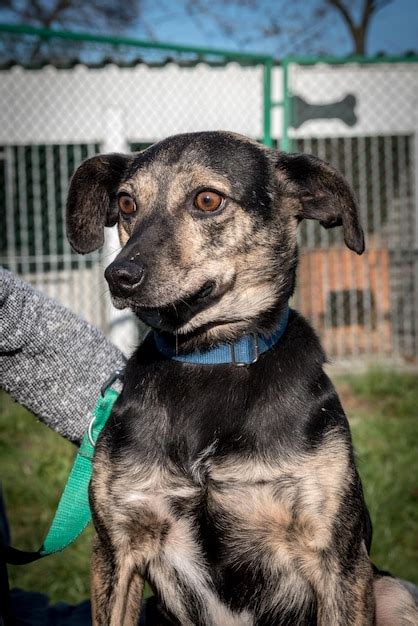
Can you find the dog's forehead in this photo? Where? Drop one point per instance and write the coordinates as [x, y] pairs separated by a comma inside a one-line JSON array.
[[225, 160]]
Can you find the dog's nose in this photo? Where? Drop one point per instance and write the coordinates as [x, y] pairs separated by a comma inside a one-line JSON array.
[[124, 277]]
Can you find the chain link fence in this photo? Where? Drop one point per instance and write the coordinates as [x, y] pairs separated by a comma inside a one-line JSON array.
[[363, 118], [67, 97]]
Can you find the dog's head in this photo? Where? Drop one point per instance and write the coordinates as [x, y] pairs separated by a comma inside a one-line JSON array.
[[207, 223]]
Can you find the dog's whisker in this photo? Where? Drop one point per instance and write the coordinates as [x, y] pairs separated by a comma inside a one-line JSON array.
[[185, 303]]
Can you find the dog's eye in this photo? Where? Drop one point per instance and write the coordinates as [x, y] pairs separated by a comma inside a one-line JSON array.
[[208, 201], [126, 204]]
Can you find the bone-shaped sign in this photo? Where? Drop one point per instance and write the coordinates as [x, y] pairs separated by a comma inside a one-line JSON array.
[[343, 110]]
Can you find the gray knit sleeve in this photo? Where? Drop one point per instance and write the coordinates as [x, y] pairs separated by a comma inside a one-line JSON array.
[[51, 361]]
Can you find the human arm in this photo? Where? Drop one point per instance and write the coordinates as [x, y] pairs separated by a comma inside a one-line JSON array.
[[51, 361]]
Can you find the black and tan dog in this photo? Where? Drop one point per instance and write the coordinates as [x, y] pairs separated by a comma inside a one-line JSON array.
[[232, 490]]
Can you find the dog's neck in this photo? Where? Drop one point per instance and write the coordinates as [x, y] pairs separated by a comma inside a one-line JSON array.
[[239, 345]]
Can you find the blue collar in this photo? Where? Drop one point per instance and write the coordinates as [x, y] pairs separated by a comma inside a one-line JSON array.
[[244, 351]]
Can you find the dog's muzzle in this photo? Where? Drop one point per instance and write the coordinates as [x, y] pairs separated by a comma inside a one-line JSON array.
[[124, 278]]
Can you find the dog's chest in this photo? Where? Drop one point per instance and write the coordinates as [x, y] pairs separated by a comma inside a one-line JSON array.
[[224, 537], [255, 515]]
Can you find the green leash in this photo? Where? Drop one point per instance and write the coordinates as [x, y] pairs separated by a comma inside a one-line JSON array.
[[73, 513]]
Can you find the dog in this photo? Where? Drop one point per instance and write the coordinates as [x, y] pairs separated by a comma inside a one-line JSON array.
[[231, 488]]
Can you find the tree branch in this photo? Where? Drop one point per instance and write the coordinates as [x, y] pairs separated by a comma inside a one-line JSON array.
[[340, 7]]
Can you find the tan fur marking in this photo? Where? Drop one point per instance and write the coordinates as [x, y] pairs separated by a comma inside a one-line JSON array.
[[123, 233], [291, 516], [116, 596], [144, 188]]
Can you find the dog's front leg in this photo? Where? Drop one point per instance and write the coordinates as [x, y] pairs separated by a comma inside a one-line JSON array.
[[348, 600], [116, 588]]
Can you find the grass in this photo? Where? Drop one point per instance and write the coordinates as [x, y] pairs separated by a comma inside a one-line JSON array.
[[34, 467], [383, 411]]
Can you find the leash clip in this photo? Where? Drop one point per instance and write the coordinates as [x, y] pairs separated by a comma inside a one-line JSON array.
[[255, 353], [90, 431], [116, 375]]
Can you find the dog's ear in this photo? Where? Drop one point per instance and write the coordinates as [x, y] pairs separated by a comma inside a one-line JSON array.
[[322, 193], [91, 202]]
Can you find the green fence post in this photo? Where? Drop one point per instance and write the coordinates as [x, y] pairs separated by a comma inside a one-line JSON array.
[[267, 102], [286, 143]]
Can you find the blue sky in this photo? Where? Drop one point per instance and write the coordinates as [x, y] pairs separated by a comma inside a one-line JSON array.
[[394, 30]]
